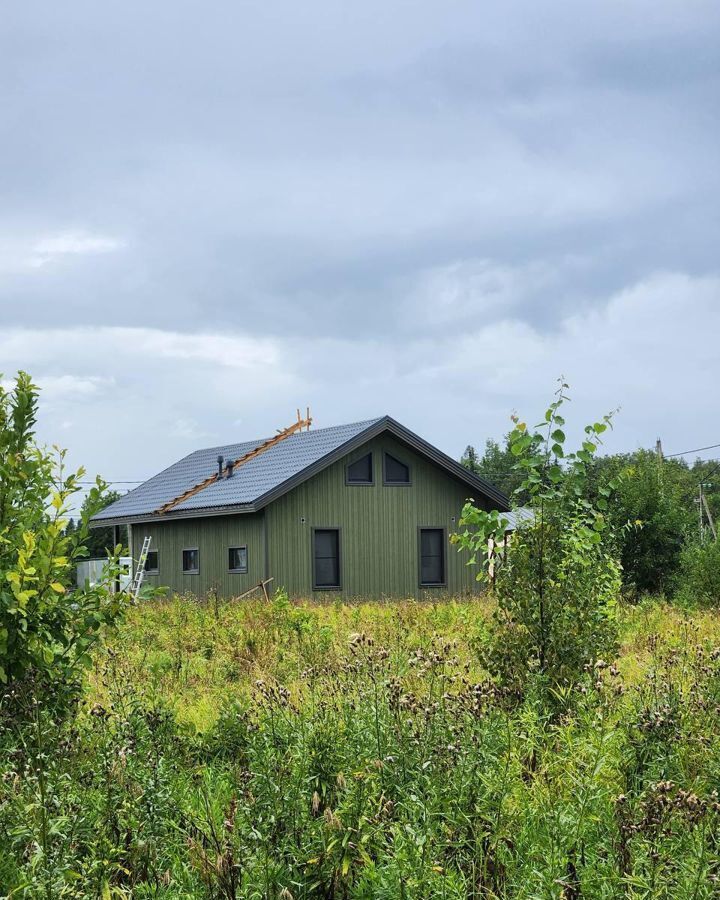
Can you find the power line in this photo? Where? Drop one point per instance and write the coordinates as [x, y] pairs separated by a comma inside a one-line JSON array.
[[711, 472], [686, 452]]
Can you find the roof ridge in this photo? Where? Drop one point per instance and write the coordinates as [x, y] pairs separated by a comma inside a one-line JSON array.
[[257, 441]]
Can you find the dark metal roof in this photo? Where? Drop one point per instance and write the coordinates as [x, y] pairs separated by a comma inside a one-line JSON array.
[[518, 516], [263, 479]]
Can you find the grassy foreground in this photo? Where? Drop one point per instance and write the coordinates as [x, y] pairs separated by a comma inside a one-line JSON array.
[[284, 751]]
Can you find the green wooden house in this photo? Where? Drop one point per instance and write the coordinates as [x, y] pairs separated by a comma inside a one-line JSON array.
[[359, 510]]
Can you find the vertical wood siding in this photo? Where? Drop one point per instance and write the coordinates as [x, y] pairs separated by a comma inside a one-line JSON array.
[[213, 536], [379, 528]]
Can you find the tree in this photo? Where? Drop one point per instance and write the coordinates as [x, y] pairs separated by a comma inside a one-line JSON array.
[[470, 459], [45, 638], [100, 541], [495, 465], [651, 512], [557, 589]]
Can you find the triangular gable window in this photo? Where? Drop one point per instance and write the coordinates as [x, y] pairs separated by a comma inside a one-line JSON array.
[[361, 471], [396, 472]]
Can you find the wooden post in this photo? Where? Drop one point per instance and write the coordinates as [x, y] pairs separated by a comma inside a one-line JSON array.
[[708, 514], [116, 541]]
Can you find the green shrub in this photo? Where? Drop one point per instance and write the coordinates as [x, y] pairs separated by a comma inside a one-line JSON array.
[[698, 580], [45, 635], [558, 586]]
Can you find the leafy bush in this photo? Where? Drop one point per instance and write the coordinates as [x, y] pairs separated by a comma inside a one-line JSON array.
[[45, 635], [558, 586], [699, 575], [651, 514]]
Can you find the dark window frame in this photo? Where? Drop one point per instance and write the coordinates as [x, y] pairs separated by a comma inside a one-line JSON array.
[[182, 560], [425, 585], [247, 562], [350, 483], [388, 483], [156, 570], [326, 587]]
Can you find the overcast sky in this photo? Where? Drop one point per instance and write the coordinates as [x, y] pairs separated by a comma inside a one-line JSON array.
[[212, 213]]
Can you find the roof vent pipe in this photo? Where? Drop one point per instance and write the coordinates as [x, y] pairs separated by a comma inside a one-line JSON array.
[[230, 465], [219, 462]]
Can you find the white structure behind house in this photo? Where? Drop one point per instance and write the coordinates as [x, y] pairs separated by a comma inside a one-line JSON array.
[[92, 571]]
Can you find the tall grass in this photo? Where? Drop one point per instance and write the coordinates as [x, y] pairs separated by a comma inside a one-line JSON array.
[[297, 750]]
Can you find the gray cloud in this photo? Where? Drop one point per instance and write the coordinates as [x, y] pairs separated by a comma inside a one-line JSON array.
[[353, 186]]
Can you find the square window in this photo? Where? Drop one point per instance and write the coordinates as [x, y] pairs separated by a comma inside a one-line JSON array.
[[237, 559], [152, 564], [191, 561]]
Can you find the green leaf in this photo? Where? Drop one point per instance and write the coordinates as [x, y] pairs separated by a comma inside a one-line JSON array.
[[558, 436]]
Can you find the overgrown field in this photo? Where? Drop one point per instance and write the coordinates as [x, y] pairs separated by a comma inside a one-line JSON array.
[[276, 750]]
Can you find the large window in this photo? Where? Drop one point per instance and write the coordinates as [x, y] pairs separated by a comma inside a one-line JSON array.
[[326, 559], [395, 471], [152, 565], [432, 557], [237, 560], [360, 471], [191, 561]]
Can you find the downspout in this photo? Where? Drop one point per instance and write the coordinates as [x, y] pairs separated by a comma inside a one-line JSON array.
[[266, 544]]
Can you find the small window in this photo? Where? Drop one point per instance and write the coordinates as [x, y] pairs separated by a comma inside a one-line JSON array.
[[360, 471], [191, 561], [237, 560], [432, 557], [326, 559], [396, 472], [152, 566]]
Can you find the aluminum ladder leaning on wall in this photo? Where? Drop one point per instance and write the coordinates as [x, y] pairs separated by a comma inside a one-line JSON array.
[[139, 576]]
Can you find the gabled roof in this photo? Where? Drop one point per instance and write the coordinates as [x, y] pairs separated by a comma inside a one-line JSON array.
[[268, 476]]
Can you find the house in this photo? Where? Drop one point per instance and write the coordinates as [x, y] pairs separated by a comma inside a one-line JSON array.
[[359, 510]]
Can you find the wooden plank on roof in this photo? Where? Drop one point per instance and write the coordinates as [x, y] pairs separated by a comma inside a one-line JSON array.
[[233, 464]]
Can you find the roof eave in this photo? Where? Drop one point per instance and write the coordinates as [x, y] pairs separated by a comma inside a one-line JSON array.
[[201, 512]]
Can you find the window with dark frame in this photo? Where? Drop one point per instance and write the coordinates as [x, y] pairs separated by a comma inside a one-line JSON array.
[[237, 560], [152, 565], [432, 557], [360, 471], [396, 471], [326, 558], [191, 561]]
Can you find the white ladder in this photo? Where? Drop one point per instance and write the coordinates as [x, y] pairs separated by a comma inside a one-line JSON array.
[[140, 571]]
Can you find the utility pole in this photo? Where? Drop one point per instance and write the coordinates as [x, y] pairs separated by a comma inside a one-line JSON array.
[[708, 514], [658, 449]]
